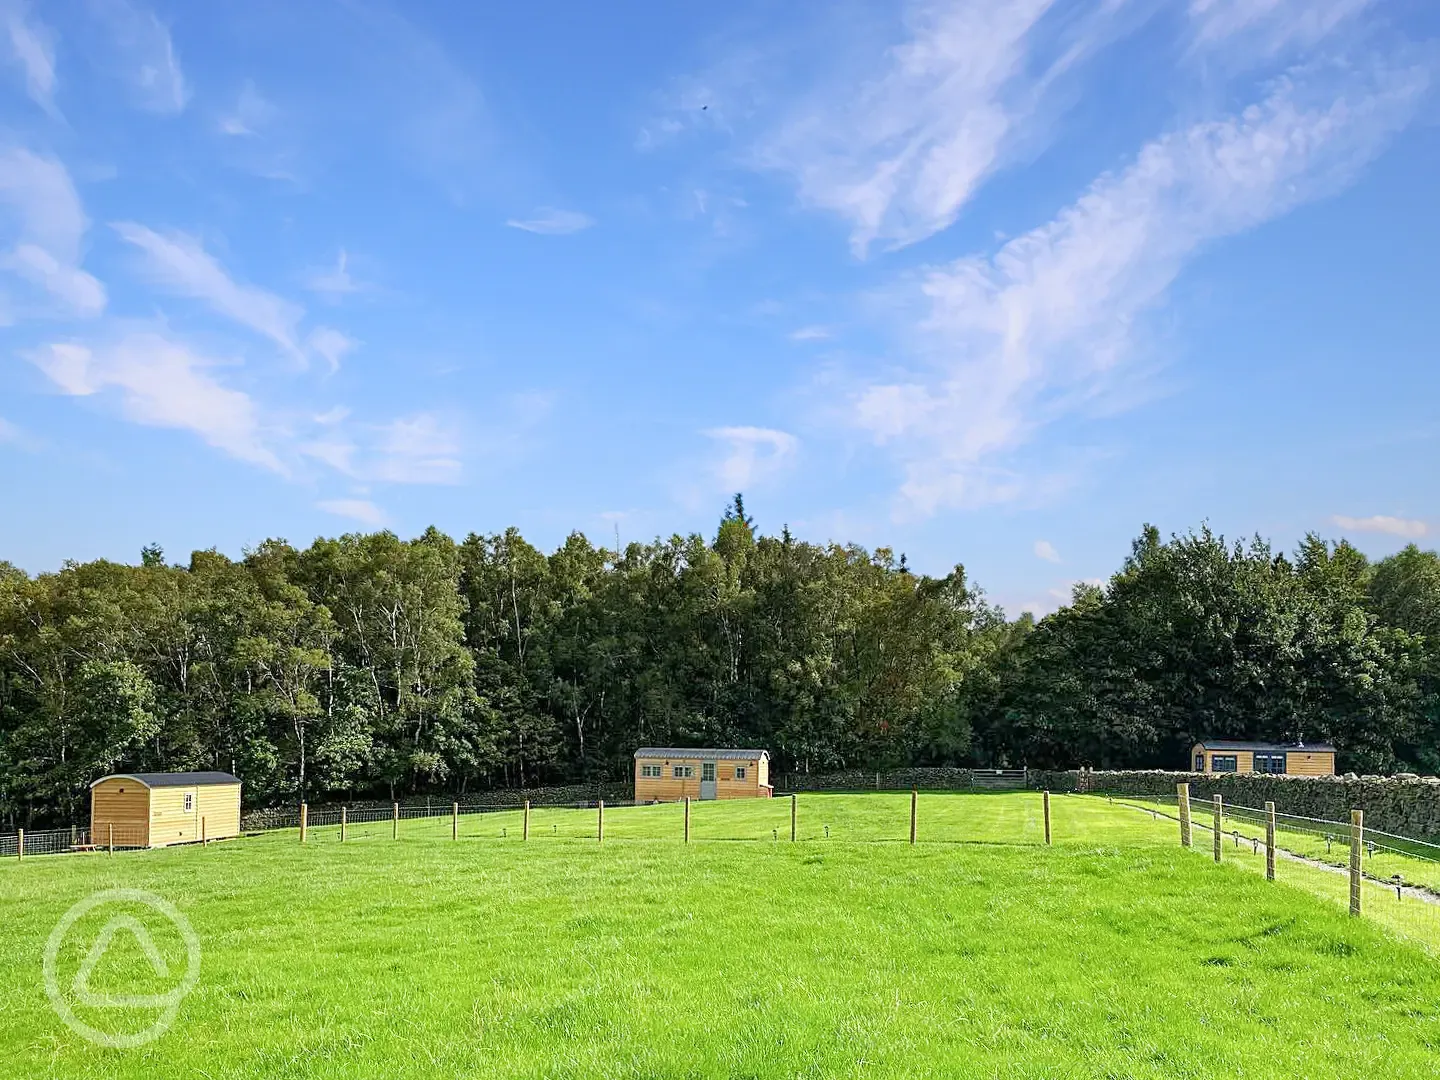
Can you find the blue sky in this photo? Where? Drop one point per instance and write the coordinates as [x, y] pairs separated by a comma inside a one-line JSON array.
[[990, 281]]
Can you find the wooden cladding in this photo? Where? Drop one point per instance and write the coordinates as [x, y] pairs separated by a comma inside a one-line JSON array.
[[1273, 761], [673, 779], [163, 815]]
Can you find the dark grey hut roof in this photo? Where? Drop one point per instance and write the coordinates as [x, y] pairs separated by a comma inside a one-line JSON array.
[[1231, 744], [173, 779], [700, 752]]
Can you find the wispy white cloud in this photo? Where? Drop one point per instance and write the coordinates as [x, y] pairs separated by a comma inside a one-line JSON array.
[[719, 100], [418, 449], [336, 282], [32, 48], [180, 263], [46, 216], [1039, 330], [811, 333], [333, 449], [250, 116], [141, 47], [1046, 550], [751, 455], [1405, 528], [1271, 25], [79, 292], [14, 435], [163, 383], [154, 379], [330, 344], [897, 132], [898, 149], [421, 448], [362, 510], [549, 221]]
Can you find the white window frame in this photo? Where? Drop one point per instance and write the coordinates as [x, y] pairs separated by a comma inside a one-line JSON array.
[[189, 803], [741, 772], [652, 772], [682, 772]]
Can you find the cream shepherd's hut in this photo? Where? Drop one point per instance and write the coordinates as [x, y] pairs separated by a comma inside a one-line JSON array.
[[1280, 759], [666, 774], [151, 810]]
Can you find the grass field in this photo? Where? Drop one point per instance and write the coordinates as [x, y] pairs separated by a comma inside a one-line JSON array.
[[1112, 954], [1415, 919]]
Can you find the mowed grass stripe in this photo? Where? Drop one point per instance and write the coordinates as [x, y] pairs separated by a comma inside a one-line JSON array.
[[1112, 954], [882, 817]]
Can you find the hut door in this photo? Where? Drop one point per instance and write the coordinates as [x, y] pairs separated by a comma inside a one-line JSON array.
[[707, 780]]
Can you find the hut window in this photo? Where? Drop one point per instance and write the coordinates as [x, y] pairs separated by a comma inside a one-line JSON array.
[[683, 772], [740, 772], [1270, 763], [1200, 762], [189, 802], [707, 771], [1224, 763], [652, 771]]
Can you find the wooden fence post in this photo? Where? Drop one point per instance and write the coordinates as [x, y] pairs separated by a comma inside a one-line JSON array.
[[792, 819], [394, 821], [454, 821], [1357, 841], [1270, 841], [600, 821], [1219, 811], [304, 820], [1047, 817], [1182, 799], [343, 815], [19, 843], [72, 836], [111, 827], [204, 842], [914, 798], [525, 822], [687, 819]]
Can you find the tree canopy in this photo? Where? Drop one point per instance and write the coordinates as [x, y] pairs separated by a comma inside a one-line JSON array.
[[370, 665]]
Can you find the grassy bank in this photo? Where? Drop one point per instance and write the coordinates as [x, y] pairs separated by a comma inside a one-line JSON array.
[[1112, 954]]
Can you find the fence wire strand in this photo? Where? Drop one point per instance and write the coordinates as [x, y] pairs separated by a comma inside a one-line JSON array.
[[1400, 875]]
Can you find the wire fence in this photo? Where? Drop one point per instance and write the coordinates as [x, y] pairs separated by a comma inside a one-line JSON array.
[[112, 837], [882, 817], [1391, 879], [1381, 875]]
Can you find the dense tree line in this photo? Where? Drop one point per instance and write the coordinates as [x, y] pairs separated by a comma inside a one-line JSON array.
[[370, 665]]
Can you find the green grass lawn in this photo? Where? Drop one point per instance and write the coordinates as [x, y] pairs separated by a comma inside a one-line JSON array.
[[1112, 954], [1415, 919], [942, 818]]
